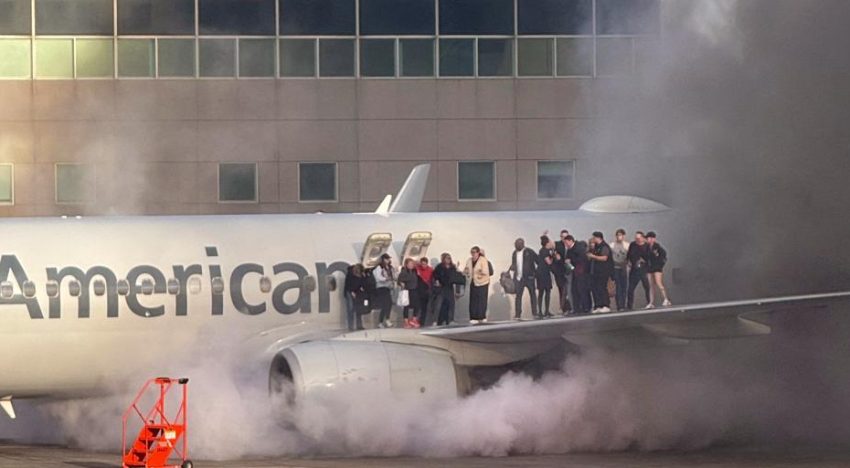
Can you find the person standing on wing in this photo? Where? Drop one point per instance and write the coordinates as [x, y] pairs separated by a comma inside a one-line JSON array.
[[479, 270], [657, 260], [524, 269]]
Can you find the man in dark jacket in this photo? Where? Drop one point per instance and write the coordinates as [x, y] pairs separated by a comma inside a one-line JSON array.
[[638, 258], [577, 255], [601, 270], [560, 271], [524, 269]]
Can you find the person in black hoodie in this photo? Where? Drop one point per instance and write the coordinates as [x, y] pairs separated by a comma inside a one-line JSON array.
[[356, 298], [657, 260], [524, 269], [577, 256], [601, 270], [546, 259], [445, 275], [638, 258]]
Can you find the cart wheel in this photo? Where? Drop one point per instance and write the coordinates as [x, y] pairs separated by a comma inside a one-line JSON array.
[[187, 464]]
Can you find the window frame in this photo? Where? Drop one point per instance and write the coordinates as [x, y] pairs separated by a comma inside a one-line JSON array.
[[537, 180], [256, 199], [336, 181], [12, 185], [495, 181], [56, 183]]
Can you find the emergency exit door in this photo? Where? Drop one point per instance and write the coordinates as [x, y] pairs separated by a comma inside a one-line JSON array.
[[376, 245], [416, 246]]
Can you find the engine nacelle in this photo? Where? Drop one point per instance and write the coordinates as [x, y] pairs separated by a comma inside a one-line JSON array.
[[405, 370]]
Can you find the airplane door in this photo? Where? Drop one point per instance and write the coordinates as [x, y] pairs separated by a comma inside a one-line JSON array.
[[376, 245], [416, 246]]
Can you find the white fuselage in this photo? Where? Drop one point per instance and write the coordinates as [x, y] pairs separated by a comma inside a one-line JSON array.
[[54, 346]]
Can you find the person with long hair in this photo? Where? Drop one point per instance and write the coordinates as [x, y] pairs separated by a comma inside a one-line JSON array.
[[424, 271], [479, 271], [546, 258], [356, 298], [444, 278], [384, 282], [408, 280]]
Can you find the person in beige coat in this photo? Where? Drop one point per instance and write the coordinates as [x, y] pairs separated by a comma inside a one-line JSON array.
[[479, 270]]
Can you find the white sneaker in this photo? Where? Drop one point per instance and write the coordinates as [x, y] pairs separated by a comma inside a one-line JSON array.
[[649, 306], [483, 320], [604, 310], [666, 303], [473, 322], [388, 324], [381, 325]]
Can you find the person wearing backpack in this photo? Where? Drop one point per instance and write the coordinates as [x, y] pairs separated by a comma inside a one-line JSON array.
[[601, 270], [479, 270]]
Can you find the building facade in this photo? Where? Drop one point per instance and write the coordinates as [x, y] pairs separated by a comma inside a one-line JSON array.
[[277, 106]]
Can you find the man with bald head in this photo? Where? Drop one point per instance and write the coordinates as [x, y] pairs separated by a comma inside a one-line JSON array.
[[523, 271]]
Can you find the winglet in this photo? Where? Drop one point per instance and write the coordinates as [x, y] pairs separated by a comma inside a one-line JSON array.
[[6, 404], [384, 207], [409, 198]]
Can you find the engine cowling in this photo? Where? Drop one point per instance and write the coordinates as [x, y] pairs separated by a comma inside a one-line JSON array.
[[328, 365]]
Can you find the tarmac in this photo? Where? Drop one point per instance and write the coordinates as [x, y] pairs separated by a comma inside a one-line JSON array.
[[18, 456]]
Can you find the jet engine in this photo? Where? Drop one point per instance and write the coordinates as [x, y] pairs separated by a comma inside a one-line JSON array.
[[337, 365]]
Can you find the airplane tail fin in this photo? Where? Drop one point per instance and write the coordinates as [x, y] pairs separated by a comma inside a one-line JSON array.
[[409, 197]]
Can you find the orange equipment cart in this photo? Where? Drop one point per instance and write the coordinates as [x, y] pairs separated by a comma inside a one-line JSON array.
[[162, 438]]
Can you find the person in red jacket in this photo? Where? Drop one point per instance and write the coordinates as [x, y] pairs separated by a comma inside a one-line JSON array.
[[423, 289]]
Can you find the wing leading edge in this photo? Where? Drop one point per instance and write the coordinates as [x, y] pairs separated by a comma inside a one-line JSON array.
[[716, 320]]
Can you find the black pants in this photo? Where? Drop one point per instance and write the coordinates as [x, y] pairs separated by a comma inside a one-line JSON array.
[[543, 299], [581, 293], [445, 306], [521, 286], [600, 291], [637, 275], [423, 297], [563, 292]]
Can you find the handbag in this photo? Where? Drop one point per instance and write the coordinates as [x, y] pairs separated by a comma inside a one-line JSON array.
[[403, 299], [507, 282]]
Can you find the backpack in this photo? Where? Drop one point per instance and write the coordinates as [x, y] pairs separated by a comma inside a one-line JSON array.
[[507, 282]]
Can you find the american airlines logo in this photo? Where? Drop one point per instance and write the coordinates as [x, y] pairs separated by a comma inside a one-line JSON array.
[[183, 280]]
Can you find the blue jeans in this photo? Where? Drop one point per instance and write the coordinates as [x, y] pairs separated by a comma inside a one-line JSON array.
[[621, 281], [355, 322]]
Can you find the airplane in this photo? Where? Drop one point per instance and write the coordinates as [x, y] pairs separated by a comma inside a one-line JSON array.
[[88, 302]]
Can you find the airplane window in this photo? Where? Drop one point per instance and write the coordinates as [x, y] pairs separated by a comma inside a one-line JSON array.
[[147, 286], [6, 289], [52, 288], [74, 288], [99, 288], [123, 287], [29, 289], [217, 286], [195, 285], [173, 286], [265, 284]]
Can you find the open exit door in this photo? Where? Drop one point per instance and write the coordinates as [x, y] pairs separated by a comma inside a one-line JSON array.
[[376, 245], [416, 246]]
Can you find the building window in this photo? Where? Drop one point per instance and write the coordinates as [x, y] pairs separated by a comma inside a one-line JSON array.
[[416, 57], [628, 17], [94, 58], [15, 17], [476, 17], [396, 17], [298, 57], [317, 17], [75, 183], [236, 17], [176, 58], [317, 182], [495, 57], [156, 17], [7, 184], [54, 58], [534, 57], [217, 58], [555, 179], [336, 57], [78, 17], [476, 180], [14, 58], [136, 58], [377, 57], [563, 17], [575, 56], [237, 182], [256, 58], [457, 57]]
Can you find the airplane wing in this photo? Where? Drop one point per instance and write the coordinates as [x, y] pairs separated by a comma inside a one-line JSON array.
[[672, 324]]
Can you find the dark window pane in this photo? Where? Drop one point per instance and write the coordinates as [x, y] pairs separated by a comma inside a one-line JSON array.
[[457, 57], [495, 57], [298, 57], [416, 57], [176, 57], [534, 57], [305, 17], [555, 16], [336, 57], [388, 17], [575, 56], [15, 17], [377, 57], [613, 56], [249, 17], [628, 17], [476, 180], [476, 17], [237, 182], [145, 17], [217, 57], [256, 58], [555, 179], [136, 57], [317, 182], [75, 183], [73, 17]]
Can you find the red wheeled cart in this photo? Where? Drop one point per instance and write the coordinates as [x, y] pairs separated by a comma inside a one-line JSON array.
[[161, 438]]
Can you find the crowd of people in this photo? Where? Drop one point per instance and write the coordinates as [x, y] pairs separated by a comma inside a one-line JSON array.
[[587, 275]]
